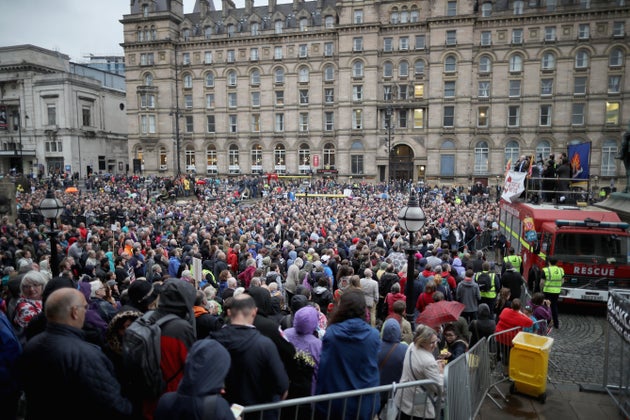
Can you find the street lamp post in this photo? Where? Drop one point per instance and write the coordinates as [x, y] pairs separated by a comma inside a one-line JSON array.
[[411, 218], [177, 115], [51, 208], [388, 112]]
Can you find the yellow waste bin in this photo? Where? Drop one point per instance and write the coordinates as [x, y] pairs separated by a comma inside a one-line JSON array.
[[529, 361]]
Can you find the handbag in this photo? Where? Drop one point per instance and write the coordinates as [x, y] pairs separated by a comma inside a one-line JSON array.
[[391, 411]]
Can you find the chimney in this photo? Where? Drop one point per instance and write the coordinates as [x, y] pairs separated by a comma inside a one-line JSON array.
[[226, 6], [249, 7], [272, 6], [203, 8]]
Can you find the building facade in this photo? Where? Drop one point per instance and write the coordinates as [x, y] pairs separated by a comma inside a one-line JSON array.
[[59, 117], [440, 90]]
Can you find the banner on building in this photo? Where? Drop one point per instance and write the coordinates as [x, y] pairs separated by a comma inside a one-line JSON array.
[[580, 161], [514, 185]]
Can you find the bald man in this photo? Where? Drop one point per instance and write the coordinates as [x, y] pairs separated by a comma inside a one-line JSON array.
[[63, 375]]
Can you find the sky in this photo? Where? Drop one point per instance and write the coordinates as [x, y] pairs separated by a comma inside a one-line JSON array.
[[73, 27]]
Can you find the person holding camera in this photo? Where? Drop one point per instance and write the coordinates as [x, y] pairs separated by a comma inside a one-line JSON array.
[[541, 307]]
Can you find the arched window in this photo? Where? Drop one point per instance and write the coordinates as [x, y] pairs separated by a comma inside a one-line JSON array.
[[329, 156], [388, 69], [403, 69], [140, 34], [211, 159], [404, 16], [256, 158], [187, 81], [394, 17], [278, 25], [140, 156], [414, 16], [512, 150], [581, 59], [148, 79], [419, 67], [485, 64], [209, 79], [207, 32], [153, 33], [616, 57], [162, 158], [280, 158], [450, 64], [254, 77], [516, 63], [548, 61], [304, 158], [233, 160], [329, 73], [482, 153], [231, 78], [609, 164], [543, 150], [357, 69], [278, 76], [303, 75], [357, 158], [190, 158], [447, 159]]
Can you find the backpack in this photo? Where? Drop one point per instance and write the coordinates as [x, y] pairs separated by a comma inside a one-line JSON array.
[[484, 281], [142, 355], [447, 288]]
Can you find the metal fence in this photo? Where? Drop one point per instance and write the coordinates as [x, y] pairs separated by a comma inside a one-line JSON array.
[[457, 388], [343, 405], [617, 351]]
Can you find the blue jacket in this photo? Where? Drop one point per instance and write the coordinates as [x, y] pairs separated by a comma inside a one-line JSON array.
[[391, 369], [348, 362]]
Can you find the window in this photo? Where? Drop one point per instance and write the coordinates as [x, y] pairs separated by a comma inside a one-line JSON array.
[[329, 156], [616, 58], [516, 63], [612, 113], [189, 123], [148, 79], [418, 67], [451, 37], [357, 44], [303, 122], [147, 124], [303, 75], [388, 69], [253, 54], [450, 64], [486, 9], [418, 90], [186, 34], [449, 116], [482, 116], [279, 158], [579, 86], [162, 158], [387, 118], [550, 33], [279, 97], [277, 53], [357, 119], [329, 121], [146, 101], [404, 15], [86, 116], [279, 127], [585, 4], [619, 29], [233, 122], [546, 87], [577, 114], [402, 91], [514, 116], [146, 59], [278, 76], [548, 61], [482, 153], [278, 25], [304, 158], [329, 95], [402, 118], [394, 17], [358, 17], [303, 96], [609, 153], [207, 32], [256, 154], [207, 57], [188, 101], [232, 100], [451, 8], [254, 29], [303, 24], [357, 93], [387, 93], [551, 5], [303, 50], [329, 22], [357, 69], [187, 81], [584, 31], [357, 164], [483, 89], [52, 114], [545, 116], [233, 153], [388, 44], [418, 118], [447, 160], [255, 123], [210, 124], [614, 83], [515, 88], [329, 73], [210, 100], [231, 78], [403, 69], [329, 49], [254, 77], [581, 59], [485, 64], [255, 99], [231, 56], [517, 36], [209, 79], [186, 58], [518, 7], [420, 42], [486, 38], [543, 150], [403, 43], [449, 89]]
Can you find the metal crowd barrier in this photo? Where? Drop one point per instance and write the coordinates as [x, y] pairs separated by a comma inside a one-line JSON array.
[[617, 351], [457, 389], [478, 377], [499, 358], [339, 405]]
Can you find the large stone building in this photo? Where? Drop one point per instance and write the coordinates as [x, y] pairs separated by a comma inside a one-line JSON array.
[[59, 117], [422, 89]]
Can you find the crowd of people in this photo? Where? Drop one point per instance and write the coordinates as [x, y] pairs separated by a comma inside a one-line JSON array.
[[292, 297]]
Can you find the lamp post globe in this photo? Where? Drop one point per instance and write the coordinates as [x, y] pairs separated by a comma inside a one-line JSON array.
[[51, 208]]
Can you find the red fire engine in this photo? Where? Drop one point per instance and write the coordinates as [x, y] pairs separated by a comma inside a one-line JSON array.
[[592, 245]]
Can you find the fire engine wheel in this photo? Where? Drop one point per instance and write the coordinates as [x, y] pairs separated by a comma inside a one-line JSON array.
[[543, 397]]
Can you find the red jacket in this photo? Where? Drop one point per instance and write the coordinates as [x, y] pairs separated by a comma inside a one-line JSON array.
[[391, 298], [511, 318], [423, 300]]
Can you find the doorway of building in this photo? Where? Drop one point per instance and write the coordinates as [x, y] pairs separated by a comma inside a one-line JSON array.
[[402, 162]]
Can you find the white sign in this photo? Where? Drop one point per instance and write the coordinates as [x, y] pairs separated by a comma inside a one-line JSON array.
[[514, 185]]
